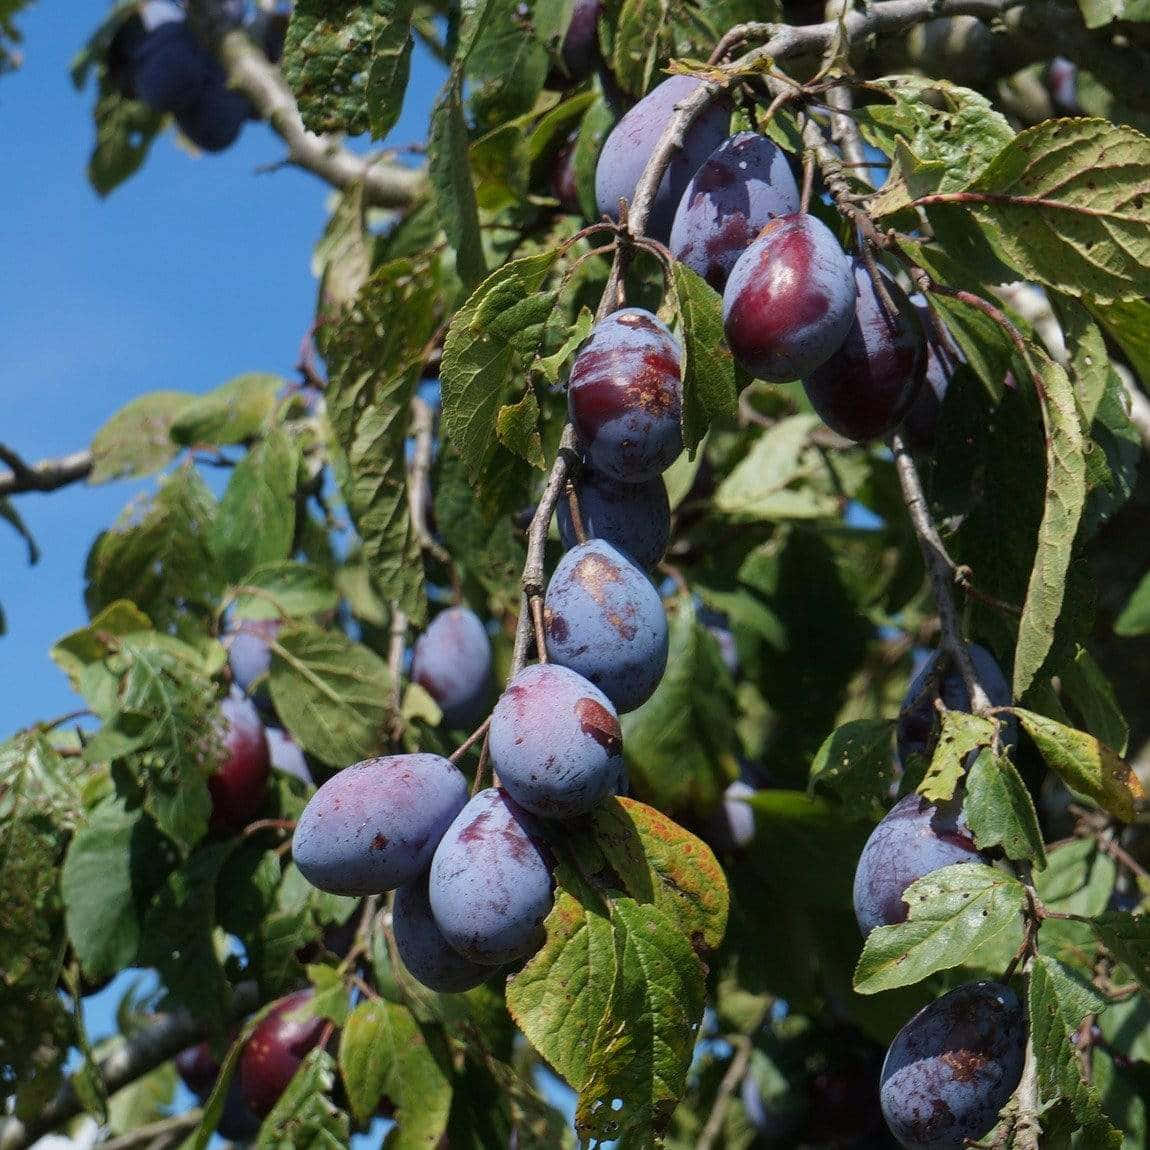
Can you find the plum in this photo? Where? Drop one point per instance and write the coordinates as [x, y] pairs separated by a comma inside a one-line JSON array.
[[604, 619], [375, 825], [732, 825], [556, 742], [865, 388], [953, 1066], [287, 756], [213, 122], [634, 518], [633, 140], [424, 950], [166, 66], [452, 663], [942, 358], [918, 718], [744, 184], [248, 643], [198, 1068], [276, 1050], [564, 185], [238, 784], [914, 838], [490, 885], [580, 46], [790, 299], [625, 397]]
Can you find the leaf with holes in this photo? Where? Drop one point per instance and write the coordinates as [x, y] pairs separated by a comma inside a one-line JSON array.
[[1000, 811], [961, 733], [954, 912], [856, 765]]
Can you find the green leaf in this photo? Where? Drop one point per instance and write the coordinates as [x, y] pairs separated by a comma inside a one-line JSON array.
[[1084, 764], [383, 1053], [305, 1118], [125, 130], [954, 912], [639, 41], [680, 745], [332, 694], [856, 765], [295, 590], [783, 476], [1057, 1004], [1085, 684], [642, 1049], [709, 387], [234, 412], [660, 862], [136, 441], [597, 123], [375, 355], [1135, 617], [508, 63], [1128, 322], [1127, 937], [1000, 811], [348, 64], [1065, 204], [517, 426], [255, 523], [449, 169], [1065, 498], [492, 340], [961, 733], [76, 652]]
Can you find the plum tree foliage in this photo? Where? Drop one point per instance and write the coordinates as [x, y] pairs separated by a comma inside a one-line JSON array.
[[540, 690]]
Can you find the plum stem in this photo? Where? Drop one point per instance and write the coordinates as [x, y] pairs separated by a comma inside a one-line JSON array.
[[470, 741], [576, 513], [735, 1073]]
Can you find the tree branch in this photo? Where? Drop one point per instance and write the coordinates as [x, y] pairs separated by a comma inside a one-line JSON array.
[[158, 1135], [138, 1055], [46, 475], [735, 1073]]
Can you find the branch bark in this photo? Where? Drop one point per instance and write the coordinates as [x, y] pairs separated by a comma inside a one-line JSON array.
[[45, 475], [138, 1055]]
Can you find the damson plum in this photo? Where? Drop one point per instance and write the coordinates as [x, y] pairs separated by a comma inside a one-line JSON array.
[[789, 300], [732, 825], [563, 181], [214, 121], [953, 1066], [624, 396], [166, 66], [634, 518], [375, 825], [581, 41], [633, 140], [918, 718], [556, 742], [238, 784], [276, 1050], [248, 643], [424, 950], [865, 388], [452, 663], [287, 756], [942, 358], [744, 184], [914, 838], [490, 883], [603, 618], [198, 1068]]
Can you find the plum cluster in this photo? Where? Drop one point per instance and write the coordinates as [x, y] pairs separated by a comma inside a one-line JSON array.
[[156, 58], [954, 1065], [795, 304]]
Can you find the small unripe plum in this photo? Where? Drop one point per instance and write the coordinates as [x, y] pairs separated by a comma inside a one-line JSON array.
[[248, 643], [744, 184], [732, 825], [238, 784], [276, 1050], [490, 885], [953, 1066], [168, 67], [375, 826], [789, 300], [914, 838], [918, 719], [287, 755], [424, 950], [213, 122], [633, 140], [634, 518], [581, 42], [604, 619], [625, 397], [556, 742], [452, 663], [865, 388]]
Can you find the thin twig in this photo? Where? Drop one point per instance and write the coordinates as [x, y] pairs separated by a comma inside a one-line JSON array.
[[470, 741], [735, 1073], [158, 1135], [575, 512], [396, 648], [44, 475]]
